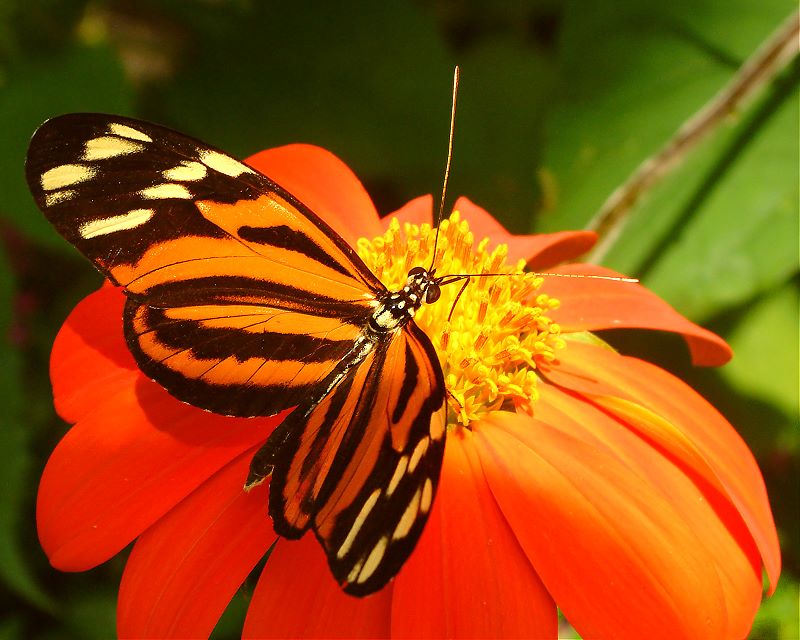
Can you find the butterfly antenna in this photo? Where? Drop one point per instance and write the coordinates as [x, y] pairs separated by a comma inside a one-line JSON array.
[[456, 73], [587, 276], [455, 277]]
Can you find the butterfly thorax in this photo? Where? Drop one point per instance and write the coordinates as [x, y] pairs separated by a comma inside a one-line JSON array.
[[398, 307]]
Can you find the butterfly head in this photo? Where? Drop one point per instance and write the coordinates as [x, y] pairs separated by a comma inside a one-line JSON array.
[[423, 285]]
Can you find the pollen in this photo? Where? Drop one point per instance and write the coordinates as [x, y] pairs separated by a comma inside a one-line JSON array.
[[492, 336]]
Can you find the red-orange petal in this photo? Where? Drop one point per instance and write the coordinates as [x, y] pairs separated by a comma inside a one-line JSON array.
[[125, 465], [540, 251], [692, 430], [325, 184], [184, 570], [417, 211], [589, 304], [90, 359], [468, 576], [708, 512], [296, 597], [613, 550]]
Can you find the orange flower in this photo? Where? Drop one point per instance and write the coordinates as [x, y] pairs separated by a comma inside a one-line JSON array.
[[574, 477]]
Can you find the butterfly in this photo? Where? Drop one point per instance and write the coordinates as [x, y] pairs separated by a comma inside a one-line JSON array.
[[241, 301]]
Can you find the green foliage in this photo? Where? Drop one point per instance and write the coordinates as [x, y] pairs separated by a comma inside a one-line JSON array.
[[80, 78], [15, 457], [559, 103]]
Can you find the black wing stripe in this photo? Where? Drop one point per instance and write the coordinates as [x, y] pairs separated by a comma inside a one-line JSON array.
[[221, 290], [208, 343], [284, 237], [410, 383]]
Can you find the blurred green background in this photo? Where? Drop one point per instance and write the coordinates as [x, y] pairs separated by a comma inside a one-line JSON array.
[[559, 102]]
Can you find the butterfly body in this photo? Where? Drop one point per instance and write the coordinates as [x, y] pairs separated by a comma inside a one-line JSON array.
[[242, 301]]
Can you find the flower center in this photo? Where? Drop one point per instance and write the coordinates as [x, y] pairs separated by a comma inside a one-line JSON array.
[[499, 327]]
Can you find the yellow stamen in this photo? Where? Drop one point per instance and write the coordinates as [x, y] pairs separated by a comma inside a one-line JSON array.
[[499, 329]]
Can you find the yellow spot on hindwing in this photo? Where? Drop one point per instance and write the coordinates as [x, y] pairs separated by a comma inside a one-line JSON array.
[[358, 523], [437, 427], [398, 474], [416, 455], [408, 518], [427, 496], [373, 560]]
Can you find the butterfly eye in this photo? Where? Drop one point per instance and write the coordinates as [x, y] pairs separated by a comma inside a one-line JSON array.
[[415, 271], [433, 293]]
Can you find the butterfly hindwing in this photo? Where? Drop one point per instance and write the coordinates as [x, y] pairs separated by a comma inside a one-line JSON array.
[[223, 268], [360, 466], [238, 359]]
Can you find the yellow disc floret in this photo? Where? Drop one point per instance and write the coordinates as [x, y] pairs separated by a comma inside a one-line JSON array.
[[489, 343]]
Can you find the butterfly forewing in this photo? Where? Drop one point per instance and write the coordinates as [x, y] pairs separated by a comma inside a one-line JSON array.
[[195, 236], [244, 302], [142, 201]]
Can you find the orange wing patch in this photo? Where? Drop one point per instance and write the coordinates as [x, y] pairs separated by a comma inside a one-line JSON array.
[[235, 359]]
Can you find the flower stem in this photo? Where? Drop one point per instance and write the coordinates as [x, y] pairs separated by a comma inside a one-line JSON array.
[[756, 72]]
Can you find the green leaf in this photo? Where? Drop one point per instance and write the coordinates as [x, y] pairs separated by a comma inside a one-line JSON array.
[[777, 618], [75, 79], [11, 627], [633, 72], [281, 75], [502, 104], [766, 343], [91, 615], [375, 90], [15, 457], [740, 233]]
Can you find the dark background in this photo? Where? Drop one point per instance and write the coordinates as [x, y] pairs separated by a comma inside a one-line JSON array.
[[559, 102]]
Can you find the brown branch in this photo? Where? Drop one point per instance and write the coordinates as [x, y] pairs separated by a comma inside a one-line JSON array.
[[756, 72]]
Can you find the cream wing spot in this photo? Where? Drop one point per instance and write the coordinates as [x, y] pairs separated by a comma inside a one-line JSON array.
[[187, 172], [106, 147], [409, 517], [59, 196], [437, 426], [128, 132], [104, 226], [416, 455], [166, 191], [358, 523], [427, 496], [66, 175], [351, 577], [224, 164], [398, 474], [373, 560]]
